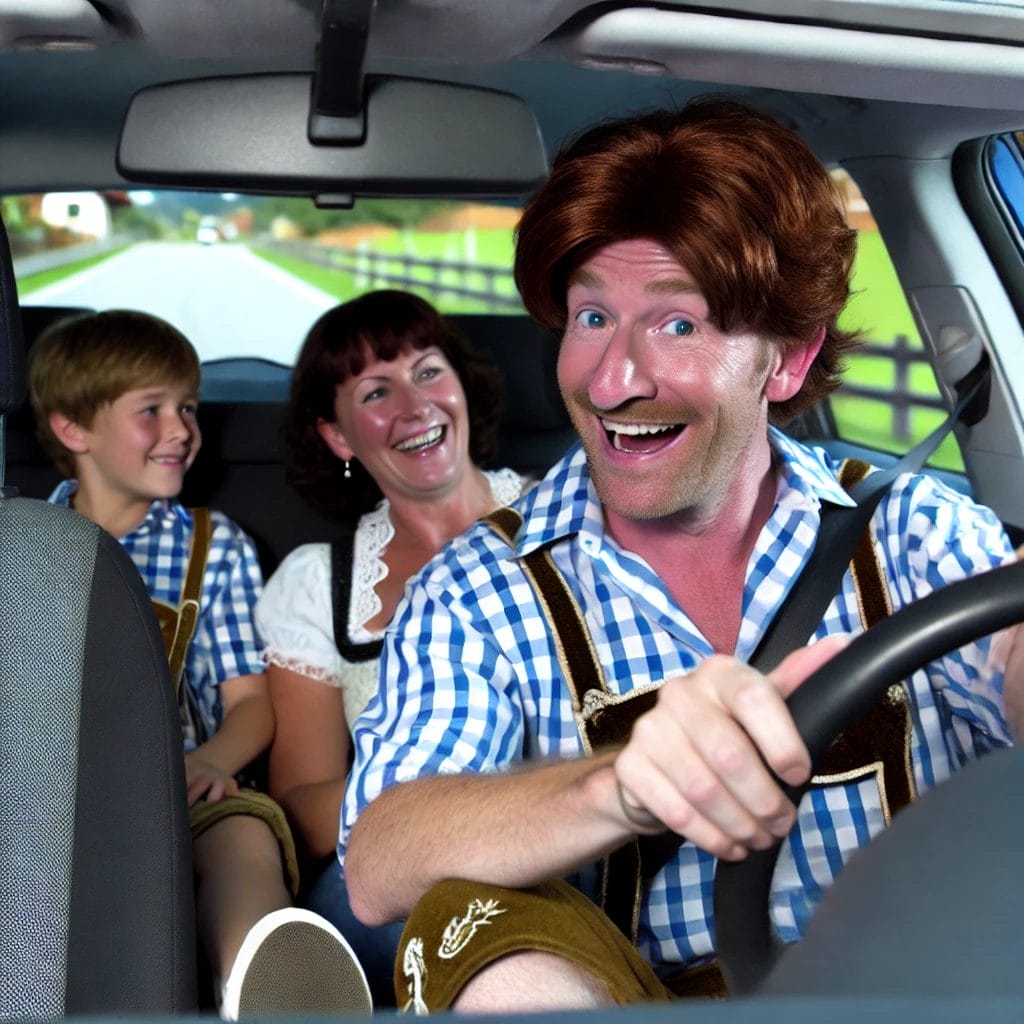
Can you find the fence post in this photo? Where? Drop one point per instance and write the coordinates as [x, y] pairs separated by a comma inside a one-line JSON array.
[[901, 387]]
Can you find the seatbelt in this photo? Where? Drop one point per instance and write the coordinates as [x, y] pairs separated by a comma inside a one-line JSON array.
[[841, 529]]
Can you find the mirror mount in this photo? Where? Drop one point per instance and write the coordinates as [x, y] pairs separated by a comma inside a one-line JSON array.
[[337, 113]]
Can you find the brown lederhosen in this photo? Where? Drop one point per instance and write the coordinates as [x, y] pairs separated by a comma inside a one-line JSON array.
[[177, 627], [878, 745]]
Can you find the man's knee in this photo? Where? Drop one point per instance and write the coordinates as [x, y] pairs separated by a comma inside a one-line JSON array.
[[463, 932]]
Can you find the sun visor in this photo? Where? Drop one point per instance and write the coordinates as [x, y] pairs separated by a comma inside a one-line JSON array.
[[250, 132]]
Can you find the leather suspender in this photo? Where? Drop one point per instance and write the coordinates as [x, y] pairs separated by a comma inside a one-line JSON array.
[[178, 624]]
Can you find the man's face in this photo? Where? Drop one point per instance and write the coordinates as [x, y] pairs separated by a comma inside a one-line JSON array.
[[672, 413]]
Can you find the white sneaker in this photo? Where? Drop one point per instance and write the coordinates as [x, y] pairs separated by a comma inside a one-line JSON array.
[[294, 962]]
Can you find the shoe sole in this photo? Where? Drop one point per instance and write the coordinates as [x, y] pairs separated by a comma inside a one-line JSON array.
[[300, 967]]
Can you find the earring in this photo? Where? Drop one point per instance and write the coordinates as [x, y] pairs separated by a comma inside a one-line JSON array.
[[348, 472]]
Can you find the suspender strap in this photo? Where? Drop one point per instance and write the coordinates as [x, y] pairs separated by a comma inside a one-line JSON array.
[[342, 557], [576, 654], [191, 595]]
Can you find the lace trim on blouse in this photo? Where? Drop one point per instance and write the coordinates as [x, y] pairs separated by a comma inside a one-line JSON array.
[[374, 533]]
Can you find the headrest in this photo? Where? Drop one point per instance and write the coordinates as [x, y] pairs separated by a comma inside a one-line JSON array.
[[12, 352], [527, 356]]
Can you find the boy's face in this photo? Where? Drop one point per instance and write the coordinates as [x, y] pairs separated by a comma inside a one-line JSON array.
[[140, 446]]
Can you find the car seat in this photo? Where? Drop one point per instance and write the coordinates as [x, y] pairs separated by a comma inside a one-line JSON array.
[[96, 901]]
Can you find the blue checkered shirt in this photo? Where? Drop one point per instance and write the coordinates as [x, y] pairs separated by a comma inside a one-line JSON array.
[[471, 678], [225, 643]]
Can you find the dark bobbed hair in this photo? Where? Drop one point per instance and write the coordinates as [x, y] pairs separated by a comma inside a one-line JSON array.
[[378, 325], [739, 200]]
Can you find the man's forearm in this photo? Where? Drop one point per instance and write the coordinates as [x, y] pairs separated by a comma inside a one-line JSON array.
[[513, 829]]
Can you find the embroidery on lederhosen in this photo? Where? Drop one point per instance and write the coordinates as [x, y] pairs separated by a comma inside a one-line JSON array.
[[415, 969], [178, 624], [457, 935]]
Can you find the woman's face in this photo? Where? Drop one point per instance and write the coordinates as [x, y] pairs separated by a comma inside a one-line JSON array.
[[405, 421]]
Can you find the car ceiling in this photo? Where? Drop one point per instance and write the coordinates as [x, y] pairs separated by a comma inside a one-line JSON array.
[[857, 78]]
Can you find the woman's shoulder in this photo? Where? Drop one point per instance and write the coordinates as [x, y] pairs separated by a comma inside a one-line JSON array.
[[507, 485], [304, 563]]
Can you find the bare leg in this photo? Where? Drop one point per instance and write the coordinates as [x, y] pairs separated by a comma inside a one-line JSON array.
[[239, 879], [532, 981]]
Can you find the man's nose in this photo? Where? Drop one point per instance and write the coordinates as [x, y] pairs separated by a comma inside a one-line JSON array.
[[621, 373]]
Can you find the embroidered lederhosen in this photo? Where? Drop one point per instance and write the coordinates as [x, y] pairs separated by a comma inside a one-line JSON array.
[[878, 745], [178, 624]]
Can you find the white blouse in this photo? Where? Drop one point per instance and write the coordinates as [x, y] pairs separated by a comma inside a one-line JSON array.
[[295, 617]]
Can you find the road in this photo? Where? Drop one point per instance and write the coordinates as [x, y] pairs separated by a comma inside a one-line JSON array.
[[225, 300]]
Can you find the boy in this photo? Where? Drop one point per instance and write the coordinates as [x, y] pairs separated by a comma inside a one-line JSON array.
[[114, 395]]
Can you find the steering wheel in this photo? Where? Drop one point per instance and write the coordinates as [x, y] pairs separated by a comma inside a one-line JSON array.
[[834, 697]]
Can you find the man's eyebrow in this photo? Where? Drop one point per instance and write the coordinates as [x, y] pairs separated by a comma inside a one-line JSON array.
[[670, 286], [586, 278]]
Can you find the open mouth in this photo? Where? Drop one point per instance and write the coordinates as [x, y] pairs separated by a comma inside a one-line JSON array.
[[428, 439], [641, 438]]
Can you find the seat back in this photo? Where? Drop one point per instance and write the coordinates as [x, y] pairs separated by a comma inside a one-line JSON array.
[[96, 901]]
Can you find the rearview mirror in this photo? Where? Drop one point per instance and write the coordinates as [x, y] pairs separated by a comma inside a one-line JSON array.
[[421, 138]]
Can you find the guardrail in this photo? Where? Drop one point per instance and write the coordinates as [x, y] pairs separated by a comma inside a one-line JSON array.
[[49, 259], [371, 268]]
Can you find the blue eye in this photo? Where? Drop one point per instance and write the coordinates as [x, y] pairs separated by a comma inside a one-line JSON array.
[[679, 327], [591, 318]]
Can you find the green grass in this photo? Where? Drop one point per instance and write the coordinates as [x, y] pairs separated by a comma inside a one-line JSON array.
[[33, 282]]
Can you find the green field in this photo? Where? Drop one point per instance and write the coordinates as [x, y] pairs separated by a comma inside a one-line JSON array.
[[33, 282], [877, 308]]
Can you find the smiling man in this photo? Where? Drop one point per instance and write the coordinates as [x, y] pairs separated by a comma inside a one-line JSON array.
[[567, 680]]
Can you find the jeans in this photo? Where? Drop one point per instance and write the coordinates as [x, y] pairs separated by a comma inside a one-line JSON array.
[[375, 947]]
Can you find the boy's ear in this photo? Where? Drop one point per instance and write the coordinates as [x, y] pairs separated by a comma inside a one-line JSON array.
[[70, 434], [332, 436]]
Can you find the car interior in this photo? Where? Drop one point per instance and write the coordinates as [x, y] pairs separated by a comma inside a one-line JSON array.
[[339, 103]]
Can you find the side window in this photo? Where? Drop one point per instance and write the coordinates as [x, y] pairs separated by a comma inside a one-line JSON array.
[[889, 399]]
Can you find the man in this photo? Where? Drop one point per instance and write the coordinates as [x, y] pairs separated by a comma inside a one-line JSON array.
[[696, 263]]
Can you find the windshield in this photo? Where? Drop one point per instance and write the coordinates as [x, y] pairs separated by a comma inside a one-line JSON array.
[[246, 276]]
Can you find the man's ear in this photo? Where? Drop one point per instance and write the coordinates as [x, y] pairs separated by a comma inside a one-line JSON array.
[[72, 435], [790, 365], [333, 438]]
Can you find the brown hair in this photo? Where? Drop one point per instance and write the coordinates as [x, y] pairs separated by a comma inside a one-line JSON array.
[[82, 363], [377, 325], [737, 198]]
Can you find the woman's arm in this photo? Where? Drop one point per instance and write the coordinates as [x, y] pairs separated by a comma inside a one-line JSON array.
[[309, 758]]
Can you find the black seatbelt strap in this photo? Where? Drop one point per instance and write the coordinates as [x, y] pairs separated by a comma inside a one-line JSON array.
[[842, 526]]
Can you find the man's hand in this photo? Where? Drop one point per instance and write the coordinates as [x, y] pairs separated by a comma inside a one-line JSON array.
[[695, 763], [1007, 656], [206, 780]]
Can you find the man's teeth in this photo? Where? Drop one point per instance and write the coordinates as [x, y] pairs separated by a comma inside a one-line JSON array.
[[432, 436], [635, 429], [617, 431]]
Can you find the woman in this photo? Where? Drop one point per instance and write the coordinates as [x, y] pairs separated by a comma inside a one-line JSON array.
[[389, 418]]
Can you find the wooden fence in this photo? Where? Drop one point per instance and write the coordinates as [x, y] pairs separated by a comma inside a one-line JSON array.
[[899, 396], [491, 285]]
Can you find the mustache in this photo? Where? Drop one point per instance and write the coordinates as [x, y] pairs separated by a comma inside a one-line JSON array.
[[638, 410]]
